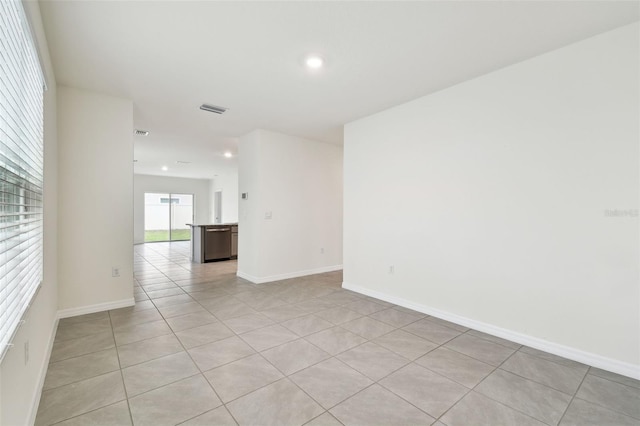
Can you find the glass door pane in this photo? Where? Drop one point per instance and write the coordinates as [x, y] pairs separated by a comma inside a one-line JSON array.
[[181, 214], [156, 216]]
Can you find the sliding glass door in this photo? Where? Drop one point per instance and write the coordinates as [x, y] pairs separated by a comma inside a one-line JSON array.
[[166, 216]]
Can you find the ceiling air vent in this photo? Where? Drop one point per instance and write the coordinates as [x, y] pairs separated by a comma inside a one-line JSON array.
[[141, 132], [183, 162], [213, 108]]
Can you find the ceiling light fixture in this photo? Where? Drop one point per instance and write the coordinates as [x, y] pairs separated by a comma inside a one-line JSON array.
[[314, 62], [165, 168], [213, 108], [139, 132], [228, 154]]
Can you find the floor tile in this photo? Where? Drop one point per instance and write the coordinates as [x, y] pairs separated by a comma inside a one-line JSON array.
[[135, 317], [338, 315], [448, 324], [330, 382], [377, 406], [174, 403], [112, 415], [181, 309], [563, 378], [146, 350], [157, 294], [550, 357], [494, 339], [478, 410], [583, 413], [219, 416], [534, 399], [425, 389], [335, 340], [158, 372], [268, 337], [456, 366], [325, 419], [480, 349], [241, 377], [395, 317], [314, 305], [172, 300], [82, 329], [373, 360], [79, 368], [612, 395], [364, 307], [81, 346], [134, 333], [624, 380], [197, 336], [367, 327], [306, 325], [281, 403], [284, 313], [192, 320], [431, 331], [294, 356], [232, 310], [78, 398], [247, 323], [220, 352], [84, 318], [406, 344]]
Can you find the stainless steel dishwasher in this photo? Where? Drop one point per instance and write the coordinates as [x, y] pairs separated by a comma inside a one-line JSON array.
[[217, 242]]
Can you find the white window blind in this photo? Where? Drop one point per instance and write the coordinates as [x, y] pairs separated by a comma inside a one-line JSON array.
[[21, 169]]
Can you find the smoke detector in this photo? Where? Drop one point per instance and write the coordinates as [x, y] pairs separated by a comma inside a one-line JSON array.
[[139, 132], [213, 108]]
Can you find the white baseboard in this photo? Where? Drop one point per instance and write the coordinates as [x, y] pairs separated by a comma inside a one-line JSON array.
[[588, 358], [42, 374], [99, 307], [271, 278]]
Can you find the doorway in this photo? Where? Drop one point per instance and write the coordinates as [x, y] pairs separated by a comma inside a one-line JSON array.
[[166, 216], [217, 205]]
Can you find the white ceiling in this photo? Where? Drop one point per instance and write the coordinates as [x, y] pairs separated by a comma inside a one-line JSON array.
[[170, 57]]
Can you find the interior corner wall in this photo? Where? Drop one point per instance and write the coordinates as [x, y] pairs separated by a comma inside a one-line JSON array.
[[291, 223], [510, 202], [95, 203], [20, 381], [149, 183]]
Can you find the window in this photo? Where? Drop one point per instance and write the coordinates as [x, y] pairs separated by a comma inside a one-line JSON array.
[[21, 169], [165, 200]]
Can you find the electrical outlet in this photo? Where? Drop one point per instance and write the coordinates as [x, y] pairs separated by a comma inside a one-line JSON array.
[[26, 352], [392, 269], [115, 271]]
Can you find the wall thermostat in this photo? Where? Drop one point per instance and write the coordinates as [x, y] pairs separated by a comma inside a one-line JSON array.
[[245, 195]]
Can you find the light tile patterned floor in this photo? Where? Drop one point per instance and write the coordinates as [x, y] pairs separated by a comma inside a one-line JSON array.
[[203, 347]]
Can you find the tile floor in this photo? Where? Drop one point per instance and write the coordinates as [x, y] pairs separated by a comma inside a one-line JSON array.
[[203, 347]]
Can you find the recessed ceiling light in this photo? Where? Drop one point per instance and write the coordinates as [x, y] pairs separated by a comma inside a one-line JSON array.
[[165, 168], [314, 62], [228, 154], [139, 132]]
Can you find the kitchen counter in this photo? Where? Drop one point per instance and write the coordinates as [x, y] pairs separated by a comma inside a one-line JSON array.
[[211, 242]]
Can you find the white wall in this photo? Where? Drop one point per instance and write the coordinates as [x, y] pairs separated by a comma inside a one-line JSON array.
[[489, 199], [20, 382], [299, 182], [148, 183], [228, 184], [95, 221]]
